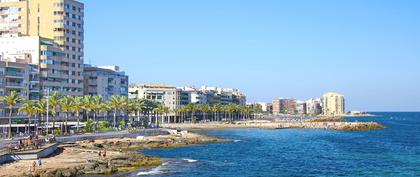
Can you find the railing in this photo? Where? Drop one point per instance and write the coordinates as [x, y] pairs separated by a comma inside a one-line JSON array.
[[14, 84], [14, 74]]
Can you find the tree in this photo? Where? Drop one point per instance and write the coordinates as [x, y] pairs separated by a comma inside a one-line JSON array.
[[217, 109], [192, 109], [30, 109], [66, 106], [11, 100], [204, 109], [88, 105], [116, 103], [160, 110], [138, 107], [41, 108], [97, 103], [77, 107], [54, 102]]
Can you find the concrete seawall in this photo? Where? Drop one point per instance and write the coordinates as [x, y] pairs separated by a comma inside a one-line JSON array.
[[145, 132]]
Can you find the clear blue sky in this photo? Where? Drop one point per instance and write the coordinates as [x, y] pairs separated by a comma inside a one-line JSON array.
[[368, 50]]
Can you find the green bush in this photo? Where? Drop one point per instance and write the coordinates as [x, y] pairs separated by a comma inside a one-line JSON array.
[[122, 124], [104, 126], [57, 132], [90, 126]]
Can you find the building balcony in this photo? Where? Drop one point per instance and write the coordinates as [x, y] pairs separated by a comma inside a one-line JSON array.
[[14, 75], [14, 85]]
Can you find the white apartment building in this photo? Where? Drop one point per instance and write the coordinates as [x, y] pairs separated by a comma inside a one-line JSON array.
[[168, 95]]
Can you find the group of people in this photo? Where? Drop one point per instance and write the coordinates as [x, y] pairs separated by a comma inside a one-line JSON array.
[[30, 142]]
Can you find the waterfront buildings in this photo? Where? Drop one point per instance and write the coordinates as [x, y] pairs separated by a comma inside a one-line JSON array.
[[55, 70], [284, 106], [313, 107], [225, 96], [265, 107], [162, 93], [106, 81], [192, 95], [333, 104], [60, 21], [17, 75], [301, 107], [174, 97]]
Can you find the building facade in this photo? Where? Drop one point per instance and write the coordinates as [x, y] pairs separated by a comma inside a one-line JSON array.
[[17, 75], [313, 107], [284, 106], [58, 20], [167, 95], [333, 104], [106, 81], [225, 96], [54, 69], [301, 107]]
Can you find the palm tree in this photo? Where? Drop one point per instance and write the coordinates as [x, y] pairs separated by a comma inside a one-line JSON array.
[[217, 109], [11, 100], [41, 108], [54, 102], [88, 105], [77, 107], [116, 103], [192, 109], [204, 109], [66, 106], [138, 106], [160, 110], [104, 108], [30, 109], [97, 103]]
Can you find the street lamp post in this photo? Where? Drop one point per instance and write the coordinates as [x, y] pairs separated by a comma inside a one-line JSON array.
[[48, 110]]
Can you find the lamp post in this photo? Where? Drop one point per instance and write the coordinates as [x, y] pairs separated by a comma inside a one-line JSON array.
[[48, 109]]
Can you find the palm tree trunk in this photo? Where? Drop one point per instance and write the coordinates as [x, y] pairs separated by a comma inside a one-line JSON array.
[[95, 120], [65, 127], [10, 121], [78, 121], [115, 118]]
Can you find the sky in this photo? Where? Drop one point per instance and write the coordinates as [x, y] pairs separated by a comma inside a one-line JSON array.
[[368, 50]]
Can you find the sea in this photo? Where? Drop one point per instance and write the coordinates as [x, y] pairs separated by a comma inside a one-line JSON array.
[[394, 151]]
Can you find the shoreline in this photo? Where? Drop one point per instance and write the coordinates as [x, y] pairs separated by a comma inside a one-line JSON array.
[[81, 158], [307, 124], [122, 155]]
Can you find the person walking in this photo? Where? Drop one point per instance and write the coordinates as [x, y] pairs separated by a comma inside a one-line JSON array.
[[39, 163]]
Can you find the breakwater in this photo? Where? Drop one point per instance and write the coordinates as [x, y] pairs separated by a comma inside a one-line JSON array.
[[280, 125]]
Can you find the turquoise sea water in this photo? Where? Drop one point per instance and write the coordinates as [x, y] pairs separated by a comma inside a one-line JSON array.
[[394, 151]]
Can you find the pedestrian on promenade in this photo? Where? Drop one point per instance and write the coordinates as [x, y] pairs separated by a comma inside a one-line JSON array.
[[40, 163]]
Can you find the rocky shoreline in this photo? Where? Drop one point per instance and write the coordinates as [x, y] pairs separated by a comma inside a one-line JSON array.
[[82, 158], [317, 123]]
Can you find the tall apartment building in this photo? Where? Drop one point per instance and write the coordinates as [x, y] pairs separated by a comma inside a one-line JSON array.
[[17, 75], [333, 104], [106, 81], [284, 106], [59, 20], [168, 95], [54, 71]]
